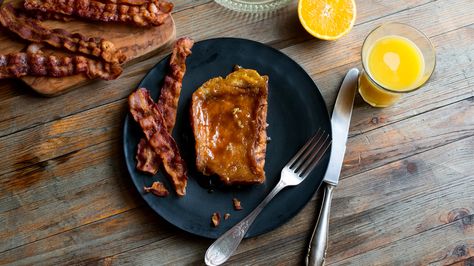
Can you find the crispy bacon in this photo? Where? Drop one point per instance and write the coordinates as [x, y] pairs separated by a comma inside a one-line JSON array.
[[28, 29], [35, 63], [147, 114], [147, 161], [169, 95], [158, 189], [128, 2], [153, 13], [38, 15]]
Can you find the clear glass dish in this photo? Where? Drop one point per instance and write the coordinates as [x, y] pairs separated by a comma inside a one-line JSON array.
[[253, 6]]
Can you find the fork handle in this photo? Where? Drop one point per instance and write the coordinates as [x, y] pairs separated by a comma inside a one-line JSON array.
[[319, 239], [221, 250]]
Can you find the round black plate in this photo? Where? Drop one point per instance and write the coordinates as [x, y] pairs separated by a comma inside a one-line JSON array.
[[296, 110]]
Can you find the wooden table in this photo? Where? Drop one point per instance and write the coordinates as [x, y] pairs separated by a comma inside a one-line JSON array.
[[407, 189]]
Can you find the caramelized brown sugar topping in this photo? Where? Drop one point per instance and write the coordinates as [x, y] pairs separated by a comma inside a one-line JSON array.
[[229, 125]]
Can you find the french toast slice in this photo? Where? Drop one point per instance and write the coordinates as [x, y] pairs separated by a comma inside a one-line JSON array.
[[229, 125]]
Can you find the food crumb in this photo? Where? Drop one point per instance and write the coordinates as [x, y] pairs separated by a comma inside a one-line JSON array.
[[158, 189], [215, 219], [226, 216], [237, 205], [236, 110]]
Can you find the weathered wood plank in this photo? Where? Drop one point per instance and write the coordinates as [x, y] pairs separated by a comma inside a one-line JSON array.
[[64, 193], [101, 124], [365, 186], [363, 194], [406, 198], [413, 136], [440, 246], [460, 89], [90, 212], [420, 133], [466, 262], [62, 136], [180, 5], [137, 230], [132, 229], [280, 29]]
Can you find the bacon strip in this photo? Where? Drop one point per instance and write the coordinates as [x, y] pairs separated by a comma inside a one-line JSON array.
[[147, 160], [41, 16], [147, 114], [30, 30], [153, 13], [169, 95], [128, 2], [35, 63]]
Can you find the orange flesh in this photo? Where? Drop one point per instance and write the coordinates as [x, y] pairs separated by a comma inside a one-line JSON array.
[[327, 19]]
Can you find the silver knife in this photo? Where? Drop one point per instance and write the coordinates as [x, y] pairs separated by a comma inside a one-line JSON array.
[[340, 121]]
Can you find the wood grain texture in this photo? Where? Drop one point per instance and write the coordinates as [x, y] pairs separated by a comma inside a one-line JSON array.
[[20, 200], [406, 194], [366, 214], [412, 196], [137, 43], [61, 194], [62, 136], [281, 30]]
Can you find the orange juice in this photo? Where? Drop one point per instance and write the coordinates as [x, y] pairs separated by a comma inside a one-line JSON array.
[[394, 63]]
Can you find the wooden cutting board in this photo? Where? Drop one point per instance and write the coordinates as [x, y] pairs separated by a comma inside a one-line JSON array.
[[137, 43]]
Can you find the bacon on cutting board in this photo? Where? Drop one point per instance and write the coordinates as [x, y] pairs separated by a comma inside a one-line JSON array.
[[128, 2], [41, 16], [151, 13], [147, 160], [35, 63], [28, 29], [146, 113]]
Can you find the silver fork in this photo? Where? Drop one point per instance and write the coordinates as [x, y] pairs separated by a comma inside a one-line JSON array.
[[294, 172]]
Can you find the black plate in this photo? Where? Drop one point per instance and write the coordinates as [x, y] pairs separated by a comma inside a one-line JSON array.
[[296, 110]]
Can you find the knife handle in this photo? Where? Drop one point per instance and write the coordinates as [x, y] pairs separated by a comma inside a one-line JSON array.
[[319, 239]]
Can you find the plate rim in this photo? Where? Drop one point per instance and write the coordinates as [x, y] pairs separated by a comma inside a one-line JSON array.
[[128, 118]]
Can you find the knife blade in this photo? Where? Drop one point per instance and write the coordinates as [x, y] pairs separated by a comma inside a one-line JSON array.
[[340, 121]]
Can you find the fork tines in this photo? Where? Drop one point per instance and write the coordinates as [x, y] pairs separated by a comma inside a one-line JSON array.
[[310, 154]]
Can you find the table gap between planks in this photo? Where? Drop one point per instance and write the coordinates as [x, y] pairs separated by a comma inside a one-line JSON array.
[[407, 189]]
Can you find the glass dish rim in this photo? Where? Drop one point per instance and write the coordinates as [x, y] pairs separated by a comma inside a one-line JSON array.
[[253, 8]]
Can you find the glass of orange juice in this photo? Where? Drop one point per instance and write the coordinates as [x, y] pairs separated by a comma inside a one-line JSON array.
[[397, 59]]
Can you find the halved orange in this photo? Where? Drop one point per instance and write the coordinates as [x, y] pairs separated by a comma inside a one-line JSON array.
[[327, 19]]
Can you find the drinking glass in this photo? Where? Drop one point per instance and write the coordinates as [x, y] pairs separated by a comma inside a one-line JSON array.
[[374, 91]]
